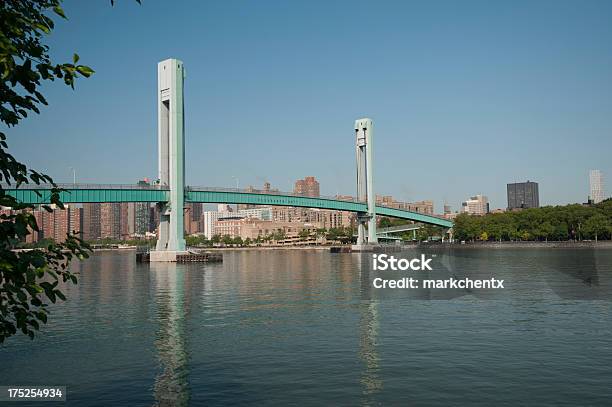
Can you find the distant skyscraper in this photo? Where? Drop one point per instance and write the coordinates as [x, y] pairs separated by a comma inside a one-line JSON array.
[[196, 211], [209, 219], [141, 218], [476, 205], [192, 217], [308, 186], [153, 218], [447, 209], [597, 186], [523, 195], [76, 221], [110, 220], [125, 230], [91, 221]]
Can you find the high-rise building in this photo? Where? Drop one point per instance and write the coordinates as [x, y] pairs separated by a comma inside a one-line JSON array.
[[192, 217], [523, 195], [596, 186], [61, 224], [110, 220], [48, 224], [153, 218], [447, 209], [91, 221], [209, 220], [308, 186], [141, 218], [76, 221], [123, 221], [196, 211], [58, 223], [476, 205]]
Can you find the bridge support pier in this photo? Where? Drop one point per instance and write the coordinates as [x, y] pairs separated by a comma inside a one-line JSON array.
[[364, 131], [171, 122]]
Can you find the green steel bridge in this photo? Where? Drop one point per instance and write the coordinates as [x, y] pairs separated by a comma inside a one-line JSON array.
[[99, 193]]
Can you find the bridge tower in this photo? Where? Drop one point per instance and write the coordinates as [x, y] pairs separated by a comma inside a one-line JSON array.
[[171, 123], [364, 131]]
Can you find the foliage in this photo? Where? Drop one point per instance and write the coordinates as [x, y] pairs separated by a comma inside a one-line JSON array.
[[547, 223], [29, 279]]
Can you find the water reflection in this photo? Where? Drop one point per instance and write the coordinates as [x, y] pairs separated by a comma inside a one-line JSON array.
[[171, 383], [371, 381]]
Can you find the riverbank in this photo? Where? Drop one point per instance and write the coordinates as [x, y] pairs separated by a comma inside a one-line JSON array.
[[606, 244]]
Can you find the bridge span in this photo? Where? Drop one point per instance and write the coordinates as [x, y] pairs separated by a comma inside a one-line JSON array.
[[99, 193]]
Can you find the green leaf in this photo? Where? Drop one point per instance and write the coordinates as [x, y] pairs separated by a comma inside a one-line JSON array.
[[85, 70], [75, 58], [60, 12]]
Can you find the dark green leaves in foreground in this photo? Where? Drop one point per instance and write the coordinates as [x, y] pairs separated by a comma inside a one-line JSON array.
[[29, 280]]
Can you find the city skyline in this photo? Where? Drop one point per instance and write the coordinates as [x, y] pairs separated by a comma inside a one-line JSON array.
[[548, 93]]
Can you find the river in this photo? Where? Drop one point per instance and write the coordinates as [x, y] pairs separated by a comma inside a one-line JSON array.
[[306, 327]]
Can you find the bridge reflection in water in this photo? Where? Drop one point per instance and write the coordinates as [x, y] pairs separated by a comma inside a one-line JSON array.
[[171, 386]]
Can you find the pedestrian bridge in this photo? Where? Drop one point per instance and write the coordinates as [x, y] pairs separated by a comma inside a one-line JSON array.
[[91, 193]]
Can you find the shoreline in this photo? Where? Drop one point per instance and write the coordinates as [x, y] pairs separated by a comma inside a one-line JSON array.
[[606, 244]]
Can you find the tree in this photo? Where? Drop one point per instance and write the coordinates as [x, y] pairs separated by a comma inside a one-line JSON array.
[[384, 222], [29, 280], [596, 226], [544, 230]]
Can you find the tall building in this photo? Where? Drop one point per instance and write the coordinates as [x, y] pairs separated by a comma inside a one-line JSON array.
[[123, 219], [91, 221], [61, 224], [191, 218], [141, 218], [57, 223], [76, 221], [208, 223], [476, 205], [308, 186], [597, 186], [447, 209], [110, 220], [48, 224], [153, 218], [523, 195]]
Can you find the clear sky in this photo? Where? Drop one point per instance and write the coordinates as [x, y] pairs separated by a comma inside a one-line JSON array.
[[465, 96]]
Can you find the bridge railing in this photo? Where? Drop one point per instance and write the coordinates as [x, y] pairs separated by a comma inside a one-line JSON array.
[[89, 186], [271, 192]]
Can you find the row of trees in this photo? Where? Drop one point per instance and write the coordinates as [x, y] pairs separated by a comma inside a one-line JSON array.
[[569, 222], [341, 234]]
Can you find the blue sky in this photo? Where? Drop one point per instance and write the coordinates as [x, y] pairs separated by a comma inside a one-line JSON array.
[[465, 96]]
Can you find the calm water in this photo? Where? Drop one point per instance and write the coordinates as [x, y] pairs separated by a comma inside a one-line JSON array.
[[305, 327]]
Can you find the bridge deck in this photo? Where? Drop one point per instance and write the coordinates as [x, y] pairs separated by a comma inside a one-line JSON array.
[[91, 193]]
